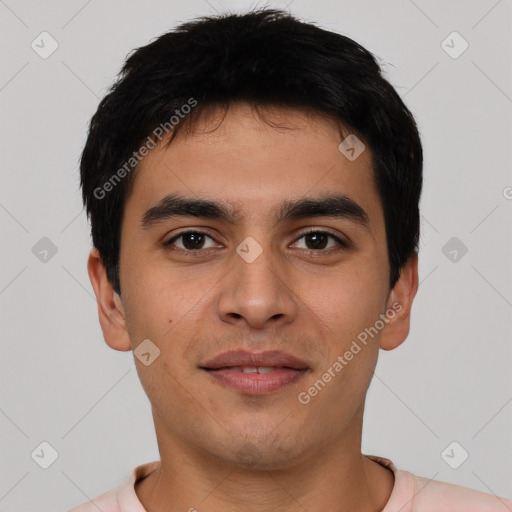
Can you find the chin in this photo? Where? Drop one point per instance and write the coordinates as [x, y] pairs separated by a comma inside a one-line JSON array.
[[264, 451]]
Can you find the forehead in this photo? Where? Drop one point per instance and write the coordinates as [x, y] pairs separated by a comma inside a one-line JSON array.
[[253, 161]]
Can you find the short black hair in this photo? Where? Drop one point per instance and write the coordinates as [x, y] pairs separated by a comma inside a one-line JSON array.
[[262, 57]]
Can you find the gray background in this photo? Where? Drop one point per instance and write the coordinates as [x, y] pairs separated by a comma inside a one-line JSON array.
[[60, 383]]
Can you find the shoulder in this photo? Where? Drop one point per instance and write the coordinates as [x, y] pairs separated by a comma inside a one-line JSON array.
[[434, 495], [412, 493], [106, 502], [123, 498]]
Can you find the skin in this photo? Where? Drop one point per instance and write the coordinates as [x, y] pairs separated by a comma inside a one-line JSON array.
[[222, 450]]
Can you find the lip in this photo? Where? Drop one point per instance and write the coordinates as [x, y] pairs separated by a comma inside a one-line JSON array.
[[235, 358], [223, 368]]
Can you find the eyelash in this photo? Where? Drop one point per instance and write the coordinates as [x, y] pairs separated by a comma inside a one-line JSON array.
[[169, 243]]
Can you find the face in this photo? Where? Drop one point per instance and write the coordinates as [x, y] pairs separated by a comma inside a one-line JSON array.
[[271, 266]]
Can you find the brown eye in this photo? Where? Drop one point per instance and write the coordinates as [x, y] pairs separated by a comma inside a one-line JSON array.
[[191, 240], [318, 240]]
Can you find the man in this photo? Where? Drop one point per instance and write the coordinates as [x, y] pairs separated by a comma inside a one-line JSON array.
[[253, 186]]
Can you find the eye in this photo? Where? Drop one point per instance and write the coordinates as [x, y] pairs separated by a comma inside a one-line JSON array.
[[318, 240], [195, 241], [191, 241]]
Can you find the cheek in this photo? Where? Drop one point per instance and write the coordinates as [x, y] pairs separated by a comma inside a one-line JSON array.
[[158, 313], [150, 295], [153, 313], [348, 303], [167, 309]]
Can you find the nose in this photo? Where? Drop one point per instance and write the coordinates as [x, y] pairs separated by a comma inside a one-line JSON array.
[[257, 293]]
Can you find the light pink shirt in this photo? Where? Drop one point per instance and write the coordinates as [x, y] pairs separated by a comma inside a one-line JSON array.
[[410, 494]]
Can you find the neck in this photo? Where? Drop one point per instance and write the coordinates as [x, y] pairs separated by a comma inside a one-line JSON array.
[[336, 477]]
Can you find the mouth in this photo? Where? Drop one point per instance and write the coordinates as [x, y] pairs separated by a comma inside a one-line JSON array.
[[255, 373], [256, 380]]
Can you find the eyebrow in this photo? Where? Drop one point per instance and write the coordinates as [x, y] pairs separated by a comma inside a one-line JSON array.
[[337, 206]]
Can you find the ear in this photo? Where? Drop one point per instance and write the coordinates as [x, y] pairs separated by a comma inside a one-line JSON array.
[[399, 302], [110, 308]]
